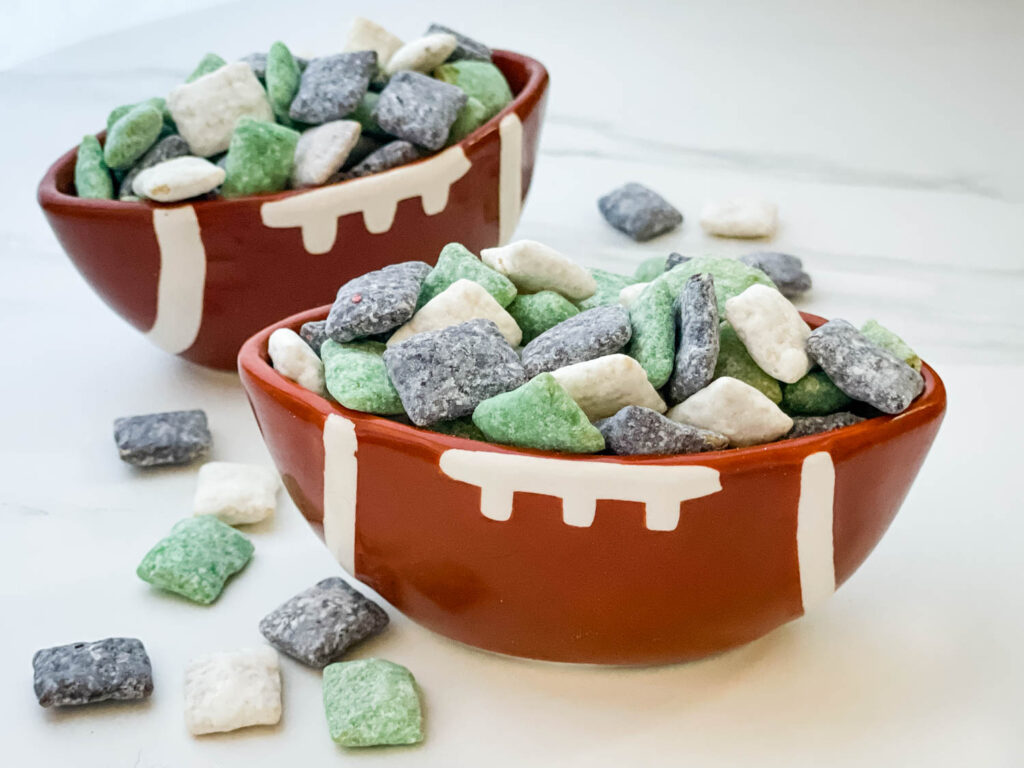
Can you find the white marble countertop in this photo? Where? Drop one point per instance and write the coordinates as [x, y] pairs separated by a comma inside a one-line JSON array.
[[892, 139]]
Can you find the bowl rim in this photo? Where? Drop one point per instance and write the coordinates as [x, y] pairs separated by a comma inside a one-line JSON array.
[[49, 196], [253, 361]]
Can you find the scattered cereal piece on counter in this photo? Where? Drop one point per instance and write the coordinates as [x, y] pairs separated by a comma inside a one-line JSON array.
[[734, 409], [697, 347], [236, 494], [787, 272], [772, 330], [116, 668], [366, 35], [179, 178], [165, 149], [461, 301], [463, 427], [534, 267], [813, 395], [442, 375], [162, 439], [862, 369], [377, 301], [740, 217], [650, 268], [282, 77], [318, 625], [211, 62], [321, 152], [735, 362], [654, 332], [635, 431], [815, 425], [293, 357], [260, 158], [732, 277], [356, 376], [467, 47], [391, 155], [536, 313], [422, 54], [92, 176], [457, 262], [470, 117], [479, 79], [314, 333], [605, 385], [539, 414], [196, 558], [371, 702], [130, 137], [675, 259], [229, 690], [886, 339], [419, 108], [609, 286], [207, 110], [333, 86], [639, 212], [630, 293], [594, 333]]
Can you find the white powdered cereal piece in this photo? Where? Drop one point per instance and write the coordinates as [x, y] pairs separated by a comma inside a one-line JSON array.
[[238, 494], [461, 301], [631, 293], [232, 689], [423, 54], [207, 109], [366, 35], [322, 151], [740, 217], [605, 385], [178, 179], [772, 331], [294, 359], [534, 267], [735, 409]]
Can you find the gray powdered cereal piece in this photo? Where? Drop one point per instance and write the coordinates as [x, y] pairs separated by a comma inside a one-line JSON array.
[[467, 47], [675, 259], [166, 149], [82, 673], [639, 212], [258, 62], [391, 155], [419, 108], [697, 341], [332, 86], [595, 333], [377, 301], [863, 370], [162, 439], [635, 430], [787, 272], [319, 624], [813, 425], [314, 333], [442, 375]]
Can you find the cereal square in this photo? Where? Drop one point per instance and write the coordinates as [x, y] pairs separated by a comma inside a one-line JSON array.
[[162, 439], [372, 702], [235, 493], [82, 673], [232, 689]]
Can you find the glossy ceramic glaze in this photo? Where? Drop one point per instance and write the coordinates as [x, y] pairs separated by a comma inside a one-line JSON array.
[[596, 559], [200, 277]]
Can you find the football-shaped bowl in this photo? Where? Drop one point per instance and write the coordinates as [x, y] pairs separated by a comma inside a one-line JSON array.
[[599, 559], [200, 277]]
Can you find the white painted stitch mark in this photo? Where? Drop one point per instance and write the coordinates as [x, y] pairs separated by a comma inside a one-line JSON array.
[[341, 471], [510, 183], [814, 542], [376, 197], [182, 280], [579, 484]]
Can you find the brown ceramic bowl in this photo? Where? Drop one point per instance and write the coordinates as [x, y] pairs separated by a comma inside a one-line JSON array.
[[199, 278], [501, 548]]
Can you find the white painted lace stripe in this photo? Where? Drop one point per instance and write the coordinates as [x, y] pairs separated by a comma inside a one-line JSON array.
[[182, 280], [510, 182], [341, 471], [814, 541]]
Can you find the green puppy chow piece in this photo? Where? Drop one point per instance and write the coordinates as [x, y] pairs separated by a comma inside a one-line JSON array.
[[814, 395], [734, 361], [470, 117], [886, 339], [371, 702], [356, 377], [131, 135], [259, 159], [363, 114], [457, 262], [609, 284], [653, 343], [118, 112], [535, 313], [282, 78], [479, 79], [196, 559], [463, 427], [539, 414], [732, 277], [211, 62], [650, 269], [92, 176]]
